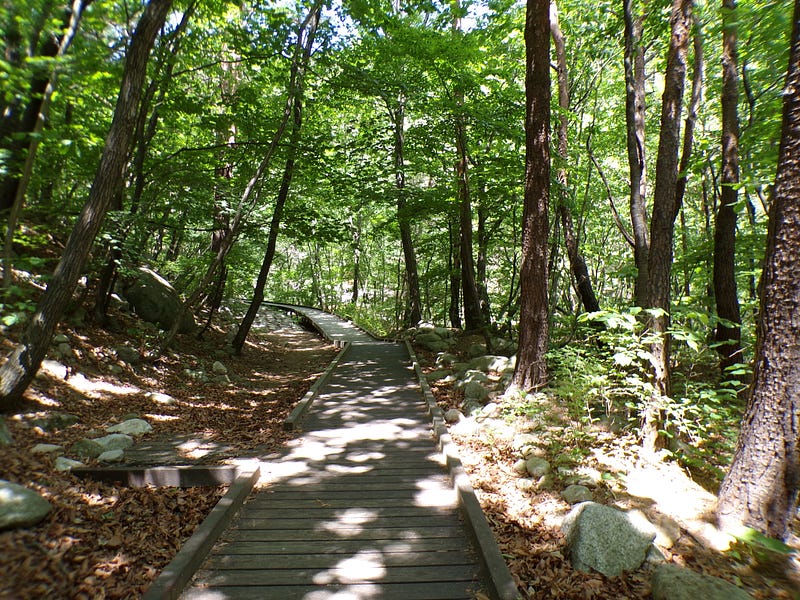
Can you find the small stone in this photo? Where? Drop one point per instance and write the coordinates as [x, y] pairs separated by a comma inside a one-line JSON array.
[[46, 448], [218, 368], [65, 349], [115, 441], [434, 376], [60, 338], [20, 506], [521, 467], [115, 369], [112, 456], [453, 415], [67, 464], [537, 467], [128, 355], [87, 448], [525, 484], [132, 427], [160, 398], [545, 482], [577, 493]]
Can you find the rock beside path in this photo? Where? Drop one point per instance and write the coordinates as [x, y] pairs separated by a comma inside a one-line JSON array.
[[605, 539], [156, 301], [671, 582], [20, 506]]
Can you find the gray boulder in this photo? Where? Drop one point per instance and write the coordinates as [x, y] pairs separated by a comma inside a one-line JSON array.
[[218, 368], [132, 427], [475, 392], [453, 415], [491, 362], [115, 441], [46, 448], [112, 456], [67, 464], [86, 448], [671, 582], [605, 539], [128, 354], [156, 301], [20, 507], [537, 467], [432, 341], [575, 493]]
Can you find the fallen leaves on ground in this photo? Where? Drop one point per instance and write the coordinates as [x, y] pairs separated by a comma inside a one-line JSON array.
[[102, 541]]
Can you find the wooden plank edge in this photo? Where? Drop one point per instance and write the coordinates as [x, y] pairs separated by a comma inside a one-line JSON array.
[[293, 420], [171, 581], [167, 476], [499, 581]]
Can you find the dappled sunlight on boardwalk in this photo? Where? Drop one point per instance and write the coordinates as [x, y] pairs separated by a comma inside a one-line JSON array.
[[359, 506]]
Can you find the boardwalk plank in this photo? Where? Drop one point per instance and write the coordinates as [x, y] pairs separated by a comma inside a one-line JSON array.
[[387, 546], [298, 561], [369, 591], [362, 573], [345, 532]]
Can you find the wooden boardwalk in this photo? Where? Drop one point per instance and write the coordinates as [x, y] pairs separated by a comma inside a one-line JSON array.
[[359, 505]]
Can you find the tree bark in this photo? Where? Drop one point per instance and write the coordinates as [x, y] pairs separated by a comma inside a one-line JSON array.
[[305, 40], [662, 224], [473, 319], [761, 488], [531, 369], [580, 271], [454, 264], [635, 131], [21, 366], [728, 332], [412, 313]]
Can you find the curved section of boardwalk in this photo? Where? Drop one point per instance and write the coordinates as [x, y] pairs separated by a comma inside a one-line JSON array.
[[359, 506]]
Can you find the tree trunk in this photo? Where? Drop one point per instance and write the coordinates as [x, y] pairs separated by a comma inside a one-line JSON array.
[[635, 128], [662, 224], [15, 183], [21, 366], [473, 319], [531, 369], [454, 264], [305, 41], [412, 313], [761, 488], [576, 261], [728, 331]]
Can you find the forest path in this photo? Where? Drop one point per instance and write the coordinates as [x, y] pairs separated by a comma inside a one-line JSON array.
[[360, 504]]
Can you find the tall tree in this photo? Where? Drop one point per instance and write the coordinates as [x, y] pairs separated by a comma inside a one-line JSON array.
[[473, 318], [531, 369], [728, 331], [21, 366], [306, 33], [662, 224], [761, 487], [577, 263], [635, 131]]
